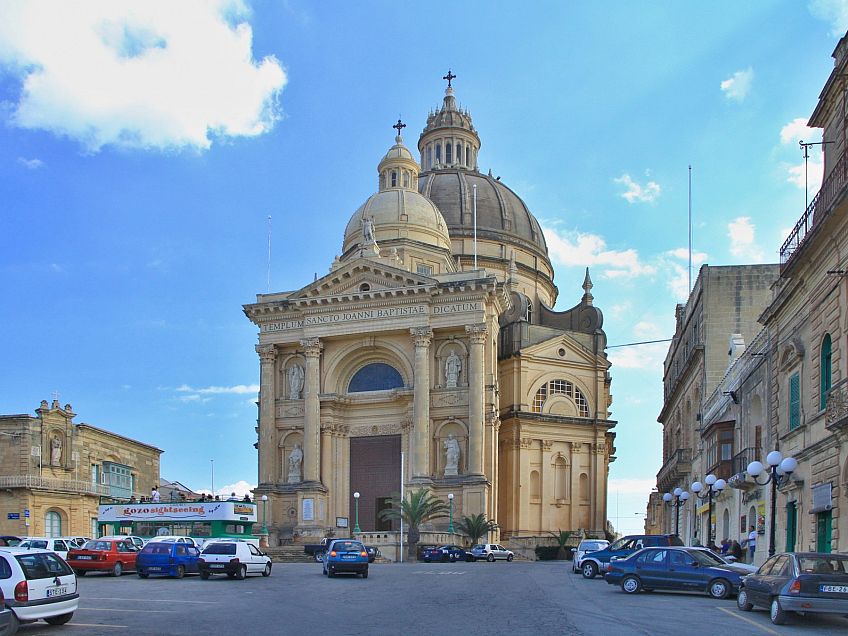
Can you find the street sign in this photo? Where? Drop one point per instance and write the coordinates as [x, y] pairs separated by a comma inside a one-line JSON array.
[[26, 513], [14, 515], [341, 522]]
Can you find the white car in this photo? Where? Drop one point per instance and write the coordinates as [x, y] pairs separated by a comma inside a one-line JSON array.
[[59, 545], [37, 584], [138, 542], [236, 559], [168, 538], [490, 552], [586, 546]]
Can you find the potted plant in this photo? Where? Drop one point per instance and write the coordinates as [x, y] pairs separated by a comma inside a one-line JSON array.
[[295, 536]]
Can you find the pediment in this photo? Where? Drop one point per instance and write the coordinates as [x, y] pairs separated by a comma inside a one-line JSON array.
[[563, 349], [363, 278]]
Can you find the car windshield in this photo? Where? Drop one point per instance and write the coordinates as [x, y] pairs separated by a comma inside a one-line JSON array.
[[157, 548], [97, 545], [592, 545], [43, 565], [706, 557], [823, 564], [348, 546], [220, 548], [42, 545], [620, 544]]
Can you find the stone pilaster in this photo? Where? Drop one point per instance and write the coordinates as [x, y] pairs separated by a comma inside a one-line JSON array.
[[267, 415], [421, 339], [476, 380], [312, 410]]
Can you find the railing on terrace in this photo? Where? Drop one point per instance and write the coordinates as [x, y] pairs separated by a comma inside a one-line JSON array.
[[51, 483], [743, 458], [818, 207], [680, 456]]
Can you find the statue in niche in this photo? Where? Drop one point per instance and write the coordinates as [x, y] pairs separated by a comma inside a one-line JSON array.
[[55, 451], [295, 463], [453, 365], [451, 455], [368, 231], [296, 376]]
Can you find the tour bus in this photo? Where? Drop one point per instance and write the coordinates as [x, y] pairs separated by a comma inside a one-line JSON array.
[[200, 520]]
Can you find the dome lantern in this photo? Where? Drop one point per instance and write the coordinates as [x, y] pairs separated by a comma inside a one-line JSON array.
[[449, 139], [398, 169]]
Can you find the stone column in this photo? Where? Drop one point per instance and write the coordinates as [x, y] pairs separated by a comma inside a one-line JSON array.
[[547, 487], [312, 410], [421, 338], [476, 379], [267, 415], [574, 485]]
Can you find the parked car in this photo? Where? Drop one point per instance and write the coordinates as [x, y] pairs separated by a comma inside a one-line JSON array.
[[586, 546], [490, 552], [8, 540], [421, 548], [73, 542], [236, 559], [808, 582], [167, 538], [444, 554], [678, 569], [37, 584], [53, 544], [138, 542], [168, 558], [345, 555], [103, 555], [373, 553], [5, 617], [599, 561]]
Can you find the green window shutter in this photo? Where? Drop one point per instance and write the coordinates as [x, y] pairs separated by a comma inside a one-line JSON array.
[[825, 371], [794, 401]]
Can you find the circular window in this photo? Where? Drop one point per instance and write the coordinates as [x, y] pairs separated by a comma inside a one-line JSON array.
[[364, 287], [561, 353]]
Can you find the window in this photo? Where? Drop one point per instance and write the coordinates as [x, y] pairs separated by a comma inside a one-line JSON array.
[[438, 153], [52, 524], [794, 401], [459, 153], [405, 179], [95, 529], [791, 526], [448, 148], [394, 179], [377, 376], [425, 270], [95, 474], [429, 157], [561, 387], [825, 371]]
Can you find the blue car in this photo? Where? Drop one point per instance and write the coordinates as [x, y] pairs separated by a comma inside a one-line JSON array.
[[676, 569], [171, 559], [452, 553], [346, 555]]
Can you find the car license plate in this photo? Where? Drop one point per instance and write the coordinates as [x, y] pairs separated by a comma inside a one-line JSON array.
[[156, 569], [86, 558], [216, 565], [56, 591], [349, 556], [840, 589]]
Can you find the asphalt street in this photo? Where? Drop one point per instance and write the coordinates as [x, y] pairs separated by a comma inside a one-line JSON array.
[[485, 599]]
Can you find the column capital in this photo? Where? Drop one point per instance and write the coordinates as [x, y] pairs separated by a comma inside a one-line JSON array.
[[421, 336], [547, 444], [267, 353], [312, 347], [477, 333]]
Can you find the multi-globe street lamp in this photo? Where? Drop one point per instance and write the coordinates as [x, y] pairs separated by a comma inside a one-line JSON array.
[[714, 488], [676, 500], [356, 527], [779, 471], [450, 505]]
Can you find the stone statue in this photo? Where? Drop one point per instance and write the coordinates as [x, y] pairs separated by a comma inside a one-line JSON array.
[[295, 462], [453, 365], [451, 455], [296, 376], [55, 451], [368, 231]]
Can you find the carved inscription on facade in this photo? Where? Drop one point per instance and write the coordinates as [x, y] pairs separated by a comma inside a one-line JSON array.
[[346, 316]]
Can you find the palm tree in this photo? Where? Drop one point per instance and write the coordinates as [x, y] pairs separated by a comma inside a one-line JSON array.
[[419, 508], [475, 527], [562, 537]]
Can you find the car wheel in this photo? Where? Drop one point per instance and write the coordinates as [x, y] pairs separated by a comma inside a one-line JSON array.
[[180, 571], [267, 570], [142, 575], [473, 559], [241, 573], [365, 574], [14, 624], [319, 557], [631, 584], [742, 601], [330, 573], [61, 619], [204, 575], [490, 558], [590, 570], [719, 588], [778, 614], [509, 558], [80, 572], [118, 569]]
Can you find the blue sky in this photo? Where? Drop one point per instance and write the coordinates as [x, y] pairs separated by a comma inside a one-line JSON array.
[[144, 145]]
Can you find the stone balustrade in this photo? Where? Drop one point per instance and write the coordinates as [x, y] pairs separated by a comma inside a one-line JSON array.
[[52, 483]]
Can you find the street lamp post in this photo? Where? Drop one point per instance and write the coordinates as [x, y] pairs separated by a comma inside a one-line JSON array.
[[779, 471], [680, 497], [264, 503], [714, 487], [450, 506], [356, 527]]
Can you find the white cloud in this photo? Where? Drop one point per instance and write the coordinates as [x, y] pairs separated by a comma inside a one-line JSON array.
[[737, 86], [241, 488], [743, 245], [834, 11], [635, 192], [646, 329], [797, 130], [156, 74], [678, 281], [238, 389], [650, 357], [799, 174], [590, 250], [32, 164]]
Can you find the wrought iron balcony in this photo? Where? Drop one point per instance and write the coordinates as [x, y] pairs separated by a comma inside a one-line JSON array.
[[743, 458], [675, 467], [51, 483], [816, 211]]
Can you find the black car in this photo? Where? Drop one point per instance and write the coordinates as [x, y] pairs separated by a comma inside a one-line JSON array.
[[677, 569], [373, 553], [804, 582]]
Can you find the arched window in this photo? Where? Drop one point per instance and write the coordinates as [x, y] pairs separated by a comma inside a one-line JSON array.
[[468, 156], [405, 179], [535, 489], [430, 157], [438, 153], [529, 311], [448, 147], [825, 371], [394, 179], [377, 376], [459, 153], [52, 524], [561, 387], [584, 487]]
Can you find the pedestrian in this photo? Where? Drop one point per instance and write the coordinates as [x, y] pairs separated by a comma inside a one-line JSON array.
[[154, 494], [233, 497], [725, 547], [752, 542], [736, 551]]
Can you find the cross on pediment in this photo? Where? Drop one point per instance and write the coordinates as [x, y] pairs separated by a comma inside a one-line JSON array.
[[55, 395], [449, 77]]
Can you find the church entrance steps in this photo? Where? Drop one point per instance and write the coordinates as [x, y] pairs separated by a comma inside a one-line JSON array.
[[288, 554]]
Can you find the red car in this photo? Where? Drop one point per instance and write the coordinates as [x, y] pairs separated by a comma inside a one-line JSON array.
[[103, 555]]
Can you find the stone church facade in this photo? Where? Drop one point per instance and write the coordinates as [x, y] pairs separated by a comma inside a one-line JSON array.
[[433, 359]]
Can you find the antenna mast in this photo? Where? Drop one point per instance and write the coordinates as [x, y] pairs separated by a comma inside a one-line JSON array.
[[690, 228], [268, 288]]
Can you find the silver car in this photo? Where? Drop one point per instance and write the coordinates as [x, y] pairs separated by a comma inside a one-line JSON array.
[[490, 552], [586, 546]]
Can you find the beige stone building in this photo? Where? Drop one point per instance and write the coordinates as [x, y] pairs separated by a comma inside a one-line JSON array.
[[433, 338], [55, 470]]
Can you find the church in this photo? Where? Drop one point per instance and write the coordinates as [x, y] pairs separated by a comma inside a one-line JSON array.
[[430, 356]]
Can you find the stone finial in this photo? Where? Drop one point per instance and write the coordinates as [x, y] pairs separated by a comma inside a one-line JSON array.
[[587, 287], [512, 272]]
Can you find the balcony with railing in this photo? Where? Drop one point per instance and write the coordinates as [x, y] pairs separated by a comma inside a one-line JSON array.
[[743, 458], [675, 468], [816, 211], [51, 483]]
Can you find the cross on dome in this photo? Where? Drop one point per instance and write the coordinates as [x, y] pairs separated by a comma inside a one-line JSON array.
[[400, 126], [449, 77]]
